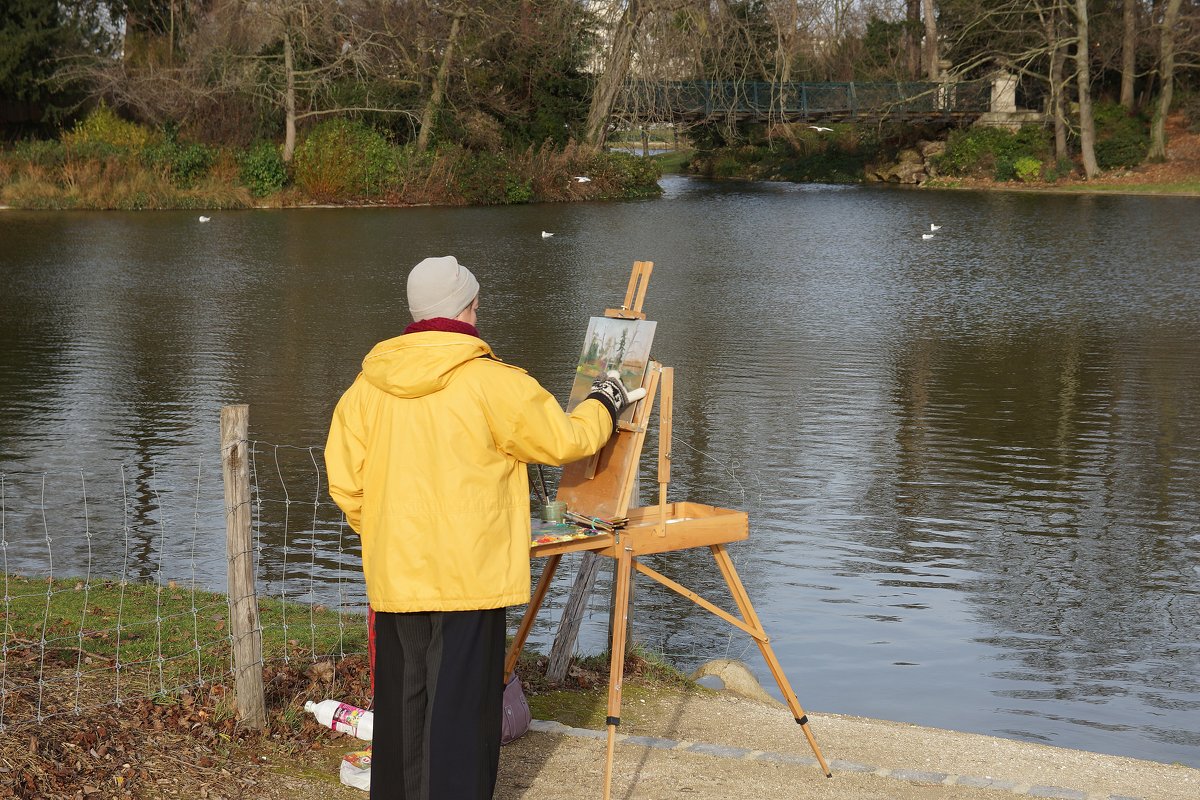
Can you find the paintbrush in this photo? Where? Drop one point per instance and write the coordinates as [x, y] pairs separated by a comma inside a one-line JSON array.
[[545, 496]]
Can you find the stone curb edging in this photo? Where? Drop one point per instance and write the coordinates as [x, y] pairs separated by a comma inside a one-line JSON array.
[[743, 754]]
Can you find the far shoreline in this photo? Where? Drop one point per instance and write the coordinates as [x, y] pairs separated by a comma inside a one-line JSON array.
[[1096, 189]]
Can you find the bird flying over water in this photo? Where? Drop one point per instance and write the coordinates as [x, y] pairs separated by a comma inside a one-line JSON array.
[[546, 235], [820, 128]]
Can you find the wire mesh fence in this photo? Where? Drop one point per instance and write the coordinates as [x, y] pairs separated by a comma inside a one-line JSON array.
[[115, 580]]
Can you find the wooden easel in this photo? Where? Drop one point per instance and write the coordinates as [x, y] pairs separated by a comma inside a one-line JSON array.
[[653, 529]]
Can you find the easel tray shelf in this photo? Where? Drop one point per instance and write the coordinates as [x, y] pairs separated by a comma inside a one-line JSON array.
[[687, 525]]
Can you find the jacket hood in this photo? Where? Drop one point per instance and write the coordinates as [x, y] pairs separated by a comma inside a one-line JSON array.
[[418, 364]]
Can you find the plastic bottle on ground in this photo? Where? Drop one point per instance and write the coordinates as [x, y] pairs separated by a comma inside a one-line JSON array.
[[343, 717]]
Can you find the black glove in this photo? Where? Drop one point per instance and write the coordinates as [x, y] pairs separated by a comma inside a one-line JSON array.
[[612, 393]]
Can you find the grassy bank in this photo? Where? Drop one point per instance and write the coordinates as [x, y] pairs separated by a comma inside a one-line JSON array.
[[109, 163], [177, 636], [149, 638], [85, 711]]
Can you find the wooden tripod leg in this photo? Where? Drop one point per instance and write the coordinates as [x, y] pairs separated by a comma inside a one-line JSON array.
[[743, 603], [616, 665], [531, 611]]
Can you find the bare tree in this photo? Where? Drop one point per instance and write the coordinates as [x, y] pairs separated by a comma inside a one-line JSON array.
[[324, 45], [1053, 18], [615, 69], [1166, 75], [1083, 77], [912, 16], [1128, 51], [438, 91], [930, 49], [290, 58]]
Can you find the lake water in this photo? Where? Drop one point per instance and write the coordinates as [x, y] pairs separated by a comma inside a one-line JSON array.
[[971, 463]]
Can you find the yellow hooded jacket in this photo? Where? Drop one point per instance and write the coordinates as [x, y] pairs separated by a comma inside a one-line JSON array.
[[426, 456]]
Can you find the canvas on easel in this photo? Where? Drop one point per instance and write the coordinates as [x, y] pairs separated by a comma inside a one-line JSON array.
[[601, 486], [613, 344]]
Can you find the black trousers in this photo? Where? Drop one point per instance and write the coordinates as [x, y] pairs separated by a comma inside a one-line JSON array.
[[438, 694]]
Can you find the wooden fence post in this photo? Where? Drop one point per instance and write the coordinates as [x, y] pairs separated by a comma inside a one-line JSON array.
[[568, 626], [244, 627]]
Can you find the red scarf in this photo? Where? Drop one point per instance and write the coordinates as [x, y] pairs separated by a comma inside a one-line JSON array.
[[443, 324]]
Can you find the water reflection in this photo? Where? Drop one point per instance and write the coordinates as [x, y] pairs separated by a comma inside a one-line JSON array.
[[970, 462]]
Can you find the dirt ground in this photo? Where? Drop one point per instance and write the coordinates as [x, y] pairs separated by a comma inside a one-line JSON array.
[[1182, 164], [675, 742]]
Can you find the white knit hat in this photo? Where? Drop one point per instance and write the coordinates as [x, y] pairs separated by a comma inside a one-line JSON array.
[[440, 287]]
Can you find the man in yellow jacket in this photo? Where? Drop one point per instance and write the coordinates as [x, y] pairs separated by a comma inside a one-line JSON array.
[[427, 457]]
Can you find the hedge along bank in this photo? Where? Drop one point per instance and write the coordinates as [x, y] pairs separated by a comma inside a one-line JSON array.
[[106, 162]]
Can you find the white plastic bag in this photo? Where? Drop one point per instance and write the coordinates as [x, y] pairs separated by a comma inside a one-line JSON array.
[[356, 769]]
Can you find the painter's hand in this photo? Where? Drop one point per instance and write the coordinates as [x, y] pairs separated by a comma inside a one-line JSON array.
[[616, 398]]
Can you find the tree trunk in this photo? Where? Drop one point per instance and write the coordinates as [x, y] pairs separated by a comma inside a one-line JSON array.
[[912, 44], [1052, 30], [1087, 124], [438, 90], [1128, 52], [1058, 104], [931, 43], [1166, 80], [615, 70], [289, 98]]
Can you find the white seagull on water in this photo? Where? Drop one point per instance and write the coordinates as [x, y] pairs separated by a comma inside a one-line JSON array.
[[933, 227], [926, 235], [205, 219], [546, 235]]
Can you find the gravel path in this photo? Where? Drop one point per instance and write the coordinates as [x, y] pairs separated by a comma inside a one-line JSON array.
[[719, 746]]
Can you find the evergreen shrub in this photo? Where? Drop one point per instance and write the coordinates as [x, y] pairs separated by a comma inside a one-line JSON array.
[[261, 169], [1005, 168], [479, 178], [992, 151], [835, 167], [726, 165], [38, 152], [1061, 169], [343, 159], [1122, 139], [517, 189], [186, 162], [103, 127], [1027, 169]]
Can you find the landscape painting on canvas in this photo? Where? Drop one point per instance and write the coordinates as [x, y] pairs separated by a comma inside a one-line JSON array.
[[620, 344]]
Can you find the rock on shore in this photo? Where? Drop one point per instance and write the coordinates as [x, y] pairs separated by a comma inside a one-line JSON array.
[[913, 165]]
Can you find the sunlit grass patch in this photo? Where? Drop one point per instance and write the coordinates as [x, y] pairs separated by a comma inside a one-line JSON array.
[[157, 637]]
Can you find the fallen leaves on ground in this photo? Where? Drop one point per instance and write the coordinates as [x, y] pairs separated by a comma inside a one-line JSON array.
[[187, 744]]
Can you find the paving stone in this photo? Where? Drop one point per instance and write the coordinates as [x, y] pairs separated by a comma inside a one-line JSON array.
[[1057, 792]]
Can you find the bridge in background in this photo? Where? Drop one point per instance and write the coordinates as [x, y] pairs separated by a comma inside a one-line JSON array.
[[693, 102]]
